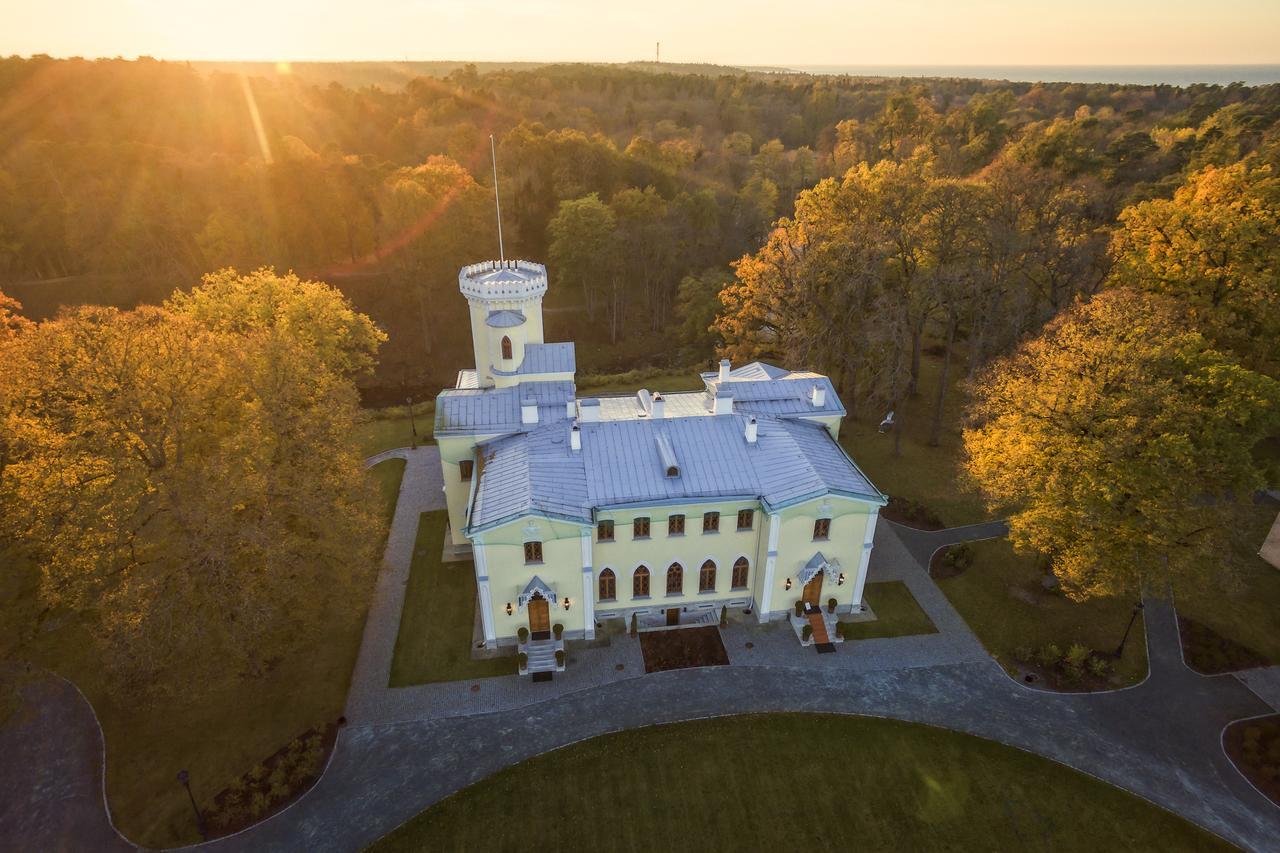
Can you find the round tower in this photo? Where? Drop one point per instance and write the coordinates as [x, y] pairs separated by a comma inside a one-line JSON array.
[[505, 298]]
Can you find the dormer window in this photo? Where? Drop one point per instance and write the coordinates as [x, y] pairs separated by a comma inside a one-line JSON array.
[[506, 347]]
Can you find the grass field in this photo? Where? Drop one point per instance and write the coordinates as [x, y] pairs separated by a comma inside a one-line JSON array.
[[897, 614], [387, 429], [927, 475], [434, 643], [1001, 598], [388, 475], [793, 782]]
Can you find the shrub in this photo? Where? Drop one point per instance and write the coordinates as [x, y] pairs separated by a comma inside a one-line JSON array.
[[724, 615], [800, 608], [806, 632], [959, 557], [634, 629], [831, 605], [1099, 666], [259, 805], [523, 634], [557, 629], [1049, 655], [559, 657], [523, 660], [913, 513]]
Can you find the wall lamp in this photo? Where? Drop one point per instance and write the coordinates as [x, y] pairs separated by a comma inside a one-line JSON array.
[[567, 601], [788, 586], [840, 580], [508, 608]]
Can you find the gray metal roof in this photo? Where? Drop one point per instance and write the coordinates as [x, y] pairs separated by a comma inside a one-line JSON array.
[[622, 462], [488, 411], [543, 358], [505, 319]]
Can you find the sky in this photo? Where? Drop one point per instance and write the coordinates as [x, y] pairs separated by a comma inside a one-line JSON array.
[[741, 32]]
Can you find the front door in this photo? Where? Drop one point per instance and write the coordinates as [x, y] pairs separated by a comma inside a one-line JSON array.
[[673, 616], [813, 590], [539, 618]]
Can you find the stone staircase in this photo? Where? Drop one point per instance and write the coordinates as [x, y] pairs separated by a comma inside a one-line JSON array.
[[542, 655]]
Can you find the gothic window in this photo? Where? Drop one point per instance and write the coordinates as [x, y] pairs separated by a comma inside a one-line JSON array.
[[707, 577]]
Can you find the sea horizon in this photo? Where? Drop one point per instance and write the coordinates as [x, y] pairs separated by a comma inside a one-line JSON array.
[[1147, 75]]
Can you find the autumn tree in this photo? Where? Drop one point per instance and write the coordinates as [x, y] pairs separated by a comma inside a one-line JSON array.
[[1119, 440], [1214, 248], [186, 476]]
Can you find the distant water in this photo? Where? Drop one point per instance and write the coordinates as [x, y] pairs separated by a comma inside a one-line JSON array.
[[1173, 75]]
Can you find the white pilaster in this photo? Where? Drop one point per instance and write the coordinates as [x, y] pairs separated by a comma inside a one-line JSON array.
[[588, 589], [770, 564], [868, 542], [482, 589]]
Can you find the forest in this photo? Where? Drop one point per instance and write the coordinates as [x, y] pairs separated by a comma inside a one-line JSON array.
[[121, 181]]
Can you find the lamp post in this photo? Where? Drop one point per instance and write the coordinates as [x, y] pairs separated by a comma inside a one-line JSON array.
[[413, 424], [1137, 608], [185, 778]]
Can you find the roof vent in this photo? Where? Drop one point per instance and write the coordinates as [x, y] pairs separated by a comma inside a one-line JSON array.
[[528, 411], [667, 453], [657, 407], [570, 408], [724, 402], [589, 411], [645, 401], [818, 396], [575, 438], [752, 430], [724, 370]]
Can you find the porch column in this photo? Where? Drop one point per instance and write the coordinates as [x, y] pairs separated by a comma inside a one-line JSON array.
[[588, 589], [482, 591], [868, 542], [770, 563]]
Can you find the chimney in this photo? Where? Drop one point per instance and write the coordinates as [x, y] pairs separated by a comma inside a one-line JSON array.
[[570, 408], [658, 407], [724, 370], [751, 430], [589, 411], [528, 411], [818, 396], [724, 402], [575, 438]]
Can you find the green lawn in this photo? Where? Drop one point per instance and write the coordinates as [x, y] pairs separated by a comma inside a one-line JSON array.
[[434, 643], [1001, 598], [793, 782], [927, 475], [897, 614], [1247, 613], [388, 475], [387, 429]]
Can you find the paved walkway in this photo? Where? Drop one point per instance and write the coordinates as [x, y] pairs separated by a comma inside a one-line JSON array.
[[421, 490], [407, 748], [51, 786], [923, 543]]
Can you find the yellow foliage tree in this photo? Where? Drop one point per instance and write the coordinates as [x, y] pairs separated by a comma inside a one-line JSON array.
[[186, 477], [1119, 439]]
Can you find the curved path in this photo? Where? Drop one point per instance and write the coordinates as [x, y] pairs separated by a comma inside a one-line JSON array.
[[407, 749]]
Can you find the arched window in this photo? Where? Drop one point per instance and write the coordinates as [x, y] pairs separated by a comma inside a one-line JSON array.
[[506, 347], [675, 579], [740, 568], [707, 577], [608, 585], [640, 583]]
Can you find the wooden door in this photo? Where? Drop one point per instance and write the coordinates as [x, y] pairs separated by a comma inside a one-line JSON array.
[[813, 590], [539, 619], [673, 616]]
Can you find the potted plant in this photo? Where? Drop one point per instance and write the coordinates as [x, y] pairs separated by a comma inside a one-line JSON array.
[[724, 615], [560, 657], [557, 629], [522, 660], [634, 630], [806, 632], [800, 608], [523, 634], [831, 605]]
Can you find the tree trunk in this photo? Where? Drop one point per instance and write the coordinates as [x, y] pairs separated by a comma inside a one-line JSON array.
[[917, 334], [935, 430]]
